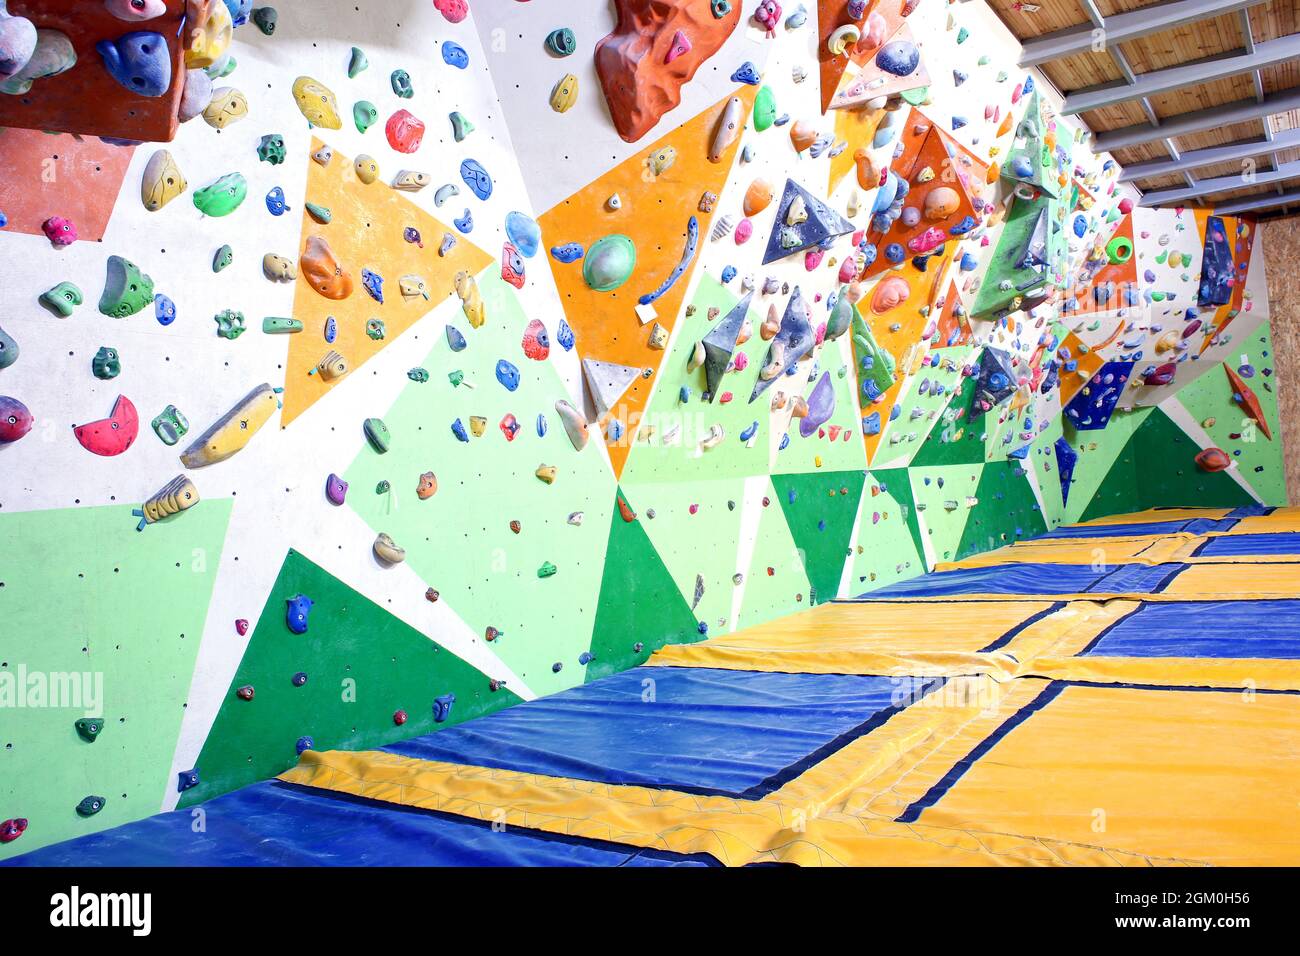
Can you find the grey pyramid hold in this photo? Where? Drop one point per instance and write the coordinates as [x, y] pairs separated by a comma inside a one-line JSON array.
[[720, 345], [823, 224], [607, 381], [794, 340]]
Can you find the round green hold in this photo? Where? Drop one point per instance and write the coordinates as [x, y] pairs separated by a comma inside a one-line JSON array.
[[609, 262], [917, 96], [63, 298], [764, 108], [561, 41], [106, 364], [364, 115], [401, 81], [222, 197], [224, 257]]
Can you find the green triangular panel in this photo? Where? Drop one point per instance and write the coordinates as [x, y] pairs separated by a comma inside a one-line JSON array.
[[1105, 476], [639, 602], [362, 666], [944, 495], [123, 624], [775, 583], [889, 539], [896, 483], [1007, 510], [954, 439], [1167, 475], [820, 509]]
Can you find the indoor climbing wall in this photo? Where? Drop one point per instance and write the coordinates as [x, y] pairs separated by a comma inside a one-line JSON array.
[[366, 367]]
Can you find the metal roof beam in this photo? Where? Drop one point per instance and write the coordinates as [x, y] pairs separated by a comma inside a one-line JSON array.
[[1221, 184], [1186, 76], [1197, 158], [1183, 124], [1268, 201], [1124, 27]]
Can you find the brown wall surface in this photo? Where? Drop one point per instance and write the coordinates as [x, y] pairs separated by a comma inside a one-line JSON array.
[[1281, 240]]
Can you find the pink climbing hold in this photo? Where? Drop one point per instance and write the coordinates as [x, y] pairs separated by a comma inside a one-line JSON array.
[[113, 435], [405, 131], [15, 420], [454, 10], [681, 44], [60, 231], [241, 627], [536, 344], [743, 231]]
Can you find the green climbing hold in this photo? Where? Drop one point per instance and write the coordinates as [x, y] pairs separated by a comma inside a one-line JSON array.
[[88, 728], [357, 63], [420, 375], [764, 108], [127, 290], [170, 425], [223, 196], [63, 298], [106, 364], [91, 805], [230, 324], [277, 325], [264, 18], [364, 115], [609, 262], [460, 126], [401, 81], [271, 149], [546, 570], [378, 435], [321, 214], [561, 42], [375, 329], [224, 257], [962, 34], [917, 96]]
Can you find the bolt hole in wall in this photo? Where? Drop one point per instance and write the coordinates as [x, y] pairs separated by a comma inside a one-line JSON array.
[[655, 349]]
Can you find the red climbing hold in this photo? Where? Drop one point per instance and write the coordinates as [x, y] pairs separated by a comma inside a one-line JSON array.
[[1213, 459]]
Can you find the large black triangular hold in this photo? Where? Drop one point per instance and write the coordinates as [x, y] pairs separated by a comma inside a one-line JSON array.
[[822, 223], [792, 342], [720, 345], [994, 383]]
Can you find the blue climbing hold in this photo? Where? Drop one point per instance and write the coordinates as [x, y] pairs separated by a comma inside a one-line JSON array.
[[728, 273], [331, 329], [140, 61], [442, 707], [164, 309], [458, 429], [871, 424], [374, 284], [465, 223], [476, 178], [899, 57], [524, 233], [564, 335], [507, 375], [455, 339], [747, 73], [541, 425], [275, 204], [569, 252], [296, 612], [749, 432], [304, 743], [187, 779], [453, 54]]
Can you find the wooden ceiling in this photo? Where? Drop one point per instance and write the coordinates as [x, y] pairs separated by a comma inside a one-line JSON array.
[[1198, 100]]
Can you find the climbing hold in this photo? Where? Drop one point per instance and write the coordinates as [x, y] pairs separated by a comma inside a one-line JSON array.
[[364, 115], [105, 365], [524, 232], [170, 425], [399, 716], [427, 487], [373, 283], [297, 609], [8, 350], [1213, 459], [11, 830], [476, 178], [323, 271], [222, 196], [507, 375], [280, 325], [453, 54], [357, 62], [455, 339], [336, 489], [386, 551], [757, 197], [536, 343], [222, 258], [265, 18], [15, 419], [270, 149], [564, 93], [227, 106], [460, 126], [454, 10], [112, 435], [17, 43], [62, 299], [304, 744], [564, 335], [233, 431], [471, 299], [51, 54], [547, 473], [405, 131], [162, 181], [377, 434], [512, 265], [561, 42], [575, 423], [176, 496], [728, 128], [139, 60], [277, 268], [688, 255], [609, 262], [88, 728], [316, 102], [89, 806], [401, 83], [60, 231], [299, 679], [442, 707], [230, 324]]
